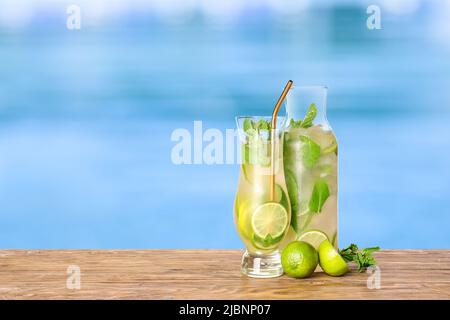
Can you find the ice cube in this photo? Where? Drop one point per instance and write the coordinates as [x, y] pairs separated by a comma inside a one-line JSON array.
[[323, 137]]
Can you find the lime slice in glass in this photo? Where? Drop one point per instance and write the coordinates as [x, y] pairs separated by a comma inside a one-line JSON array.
[[269, 221], [330, 149], [313, 237]]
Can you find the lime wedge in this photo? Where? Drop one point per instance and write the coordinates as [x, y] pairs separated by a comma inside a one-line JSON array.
[[330, 260], [330, 149], [269, 221], [313, 237]]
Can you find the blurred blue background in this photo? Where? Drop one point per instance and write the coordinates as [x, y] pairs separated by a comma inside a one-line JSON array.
[[86, 116]]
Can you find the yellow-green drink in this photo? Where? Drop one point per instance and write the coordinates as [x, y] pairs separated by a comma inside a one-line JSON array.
[[261, 217], [311, 164]]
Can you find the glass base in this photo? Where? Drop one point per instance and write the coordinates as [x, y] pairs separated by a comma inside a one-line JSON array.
[[261, 266]]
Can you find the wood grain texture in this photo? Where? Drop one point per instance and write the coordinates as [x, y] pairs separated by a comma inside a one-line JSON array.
[[209, 274]]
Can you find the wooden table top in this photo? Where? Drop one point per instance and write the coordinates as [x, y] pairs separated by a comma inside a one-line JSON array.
[[208, 274]]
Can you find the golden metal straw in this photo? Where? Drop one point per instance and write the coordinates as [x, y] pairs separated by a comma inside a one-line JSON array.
[[273, 133]]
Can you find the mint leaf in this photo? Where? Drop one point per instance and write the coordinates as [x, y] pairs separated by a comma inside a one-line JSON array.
[[310, 151], [248, 124], [371, 250], [264, 129], [267, 242], [257, 149], [349, 252], [363, 258], [249, 130], [292, 188], [295, 124], [284, 198], [307, 121], [262, 125], [319, 195], [310, 115], [246, 153]]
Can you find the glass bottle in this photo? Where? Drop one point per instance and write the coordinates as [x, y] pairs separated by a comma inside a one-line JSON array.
[[311, 166]]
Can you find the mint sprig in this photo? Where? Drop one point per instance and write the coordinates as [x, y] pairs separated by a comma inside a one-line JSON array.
[[250, 126], [256, 149], [263, 125], [362, 257], [295, 124], [310, 115], [307, 120]]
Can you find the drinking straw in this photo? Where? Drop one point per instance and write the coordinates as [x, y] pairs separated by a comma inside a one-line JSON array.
[[274, 125]]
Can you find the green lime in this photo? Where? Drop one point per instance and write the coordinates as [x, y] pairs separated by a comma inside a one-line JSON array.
[[313, 237], [299, 259], [330, 260], [269, 221]]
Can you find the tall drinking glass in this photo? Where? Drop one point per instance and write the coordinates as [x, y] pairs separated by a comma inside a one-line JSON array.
[[262, 210]]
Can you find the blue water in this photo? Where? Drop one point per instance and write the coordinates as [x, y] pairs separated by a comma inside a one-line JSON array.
[[86, 118]]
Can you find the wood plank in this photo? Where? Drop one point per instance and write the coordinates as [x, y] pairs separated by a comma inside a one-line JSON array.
[[209, 274]]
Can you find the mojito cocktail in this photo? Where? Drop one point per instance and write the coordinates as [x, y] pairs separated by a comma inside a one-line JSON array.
[[261, 211], [311, 164]]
